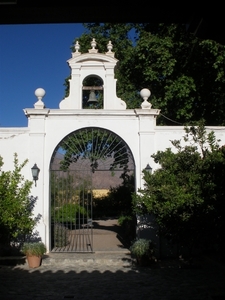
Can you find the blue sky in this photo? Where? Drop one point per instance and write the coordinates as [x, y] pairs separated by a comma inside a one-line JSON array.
[[33, 56]]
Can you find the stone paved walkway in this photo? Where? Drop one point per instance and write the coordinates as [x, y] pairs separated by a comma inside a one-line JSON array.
[[166, 281]]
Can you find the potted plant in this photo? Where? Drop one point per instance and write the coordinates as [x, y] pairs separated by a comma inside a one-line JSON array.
[[34, 252], [143, 250]]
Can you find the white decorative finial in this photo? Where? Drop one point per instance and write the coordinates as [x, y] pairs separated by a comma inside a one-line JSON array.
[[109, 46], [77, 47], [145, 94], [39, 93], [93, 44]]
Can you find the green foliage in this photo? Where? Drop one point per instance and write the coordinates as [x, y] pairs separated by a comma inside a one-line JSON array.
[[123, 220], [142, 248], [61, 188], [61, 235], [16, 216], [186, 194], [118, 200], [69, 213], [128, 224], [33, 249], [184, 73]]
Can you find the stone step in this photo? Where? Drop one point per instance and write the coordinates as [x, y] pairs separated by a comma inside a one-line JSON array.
[[12, 260], [97, 258], [108, 258]]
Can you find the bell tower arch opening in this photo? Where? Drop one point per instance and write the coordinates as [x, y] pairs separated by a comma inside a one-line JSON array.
[[92, 96]]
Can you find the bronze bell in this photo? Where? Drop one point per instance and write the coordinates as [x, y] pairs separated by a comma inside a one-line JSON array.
[[92, 97]]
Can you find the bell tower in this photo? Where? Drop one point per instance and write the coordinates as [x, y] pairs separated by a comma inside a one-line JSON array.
[[92, 84]]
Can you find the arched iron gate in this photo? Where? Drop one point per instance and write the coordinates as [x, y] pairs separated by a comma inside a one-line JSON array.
[[86, 161]]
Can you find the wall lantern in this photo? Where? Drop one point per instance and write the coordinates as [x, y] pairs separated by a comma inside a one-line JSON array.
[[35, 172], [148, 169]]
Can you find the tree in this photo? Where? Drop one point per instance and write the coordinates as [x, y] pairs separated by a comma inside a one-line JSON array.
[[16, 216], [184, 73], [186, 193]]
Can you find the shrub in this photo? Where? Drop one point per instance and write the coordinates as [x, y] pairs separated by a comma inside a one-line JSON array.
[[61, 235], [16, 207], [123, 220], [128, 224], [143, 248], [69, 213]]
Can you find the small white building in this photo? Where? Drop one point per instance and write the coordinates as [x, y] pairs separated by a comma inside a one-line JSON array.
[[126, 137]]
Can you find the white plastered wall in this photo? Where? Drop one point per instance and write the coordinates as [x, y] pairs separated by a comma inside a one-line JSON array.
[[46, 128]]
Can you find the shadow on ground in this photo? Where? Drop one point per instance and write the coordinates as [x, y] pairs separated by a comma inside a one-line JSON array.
[[111, 283]]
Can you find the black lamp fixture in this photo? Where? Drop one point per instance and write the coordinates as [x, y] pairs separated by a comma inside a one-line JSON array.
[[35, 172], [148, 169]]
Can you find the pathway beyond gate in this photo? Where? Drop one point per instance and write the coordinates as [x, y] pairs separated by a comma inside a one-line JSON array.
[[108, 236]]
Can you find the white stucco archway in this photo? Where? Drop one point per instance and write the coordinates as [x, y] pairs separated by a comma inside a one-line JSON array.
[[47, 127]]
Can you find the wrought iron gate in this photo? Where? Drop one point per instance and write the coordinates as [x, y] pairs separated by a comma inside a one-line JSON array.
[[71, 211], [78, 166]]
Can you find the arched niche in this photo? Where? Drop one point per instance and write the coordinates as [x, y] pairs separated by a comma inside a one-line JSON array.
[[92, 92]]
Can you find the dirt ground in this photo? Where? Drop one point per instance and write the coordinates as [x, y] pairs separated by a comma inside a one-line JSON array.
[[108, 236]]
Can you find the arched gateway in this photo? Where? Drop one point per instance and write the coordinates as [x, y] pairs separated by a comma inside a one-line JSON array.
[[85, 165]]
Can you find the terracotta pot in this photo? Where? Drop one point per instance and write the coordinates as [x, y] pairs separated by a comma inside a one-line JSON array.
[[34, 261]]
